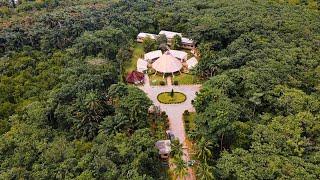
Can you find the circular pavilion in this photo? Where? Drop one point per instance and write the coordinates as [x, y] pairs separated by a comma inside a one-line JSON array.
[[167, 64]]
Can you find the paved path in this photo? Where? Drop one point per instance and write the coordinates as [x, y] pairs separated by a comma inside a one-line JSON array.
[[169, 81], [174, 111]]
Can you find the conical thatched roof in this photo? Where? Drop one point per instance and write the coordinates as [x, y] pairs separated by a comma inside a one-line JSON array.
[[167, 64], [135, 77]]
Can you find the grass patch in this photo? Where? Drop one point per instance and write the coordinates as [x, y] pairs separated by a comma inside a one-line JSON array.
[[188, 119], [137, 53], [184, 78], [166, 98], [155, 80]]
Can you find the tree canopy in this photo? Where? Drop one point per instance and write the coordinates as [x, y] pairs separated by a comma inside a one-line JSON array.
[[64, 113]]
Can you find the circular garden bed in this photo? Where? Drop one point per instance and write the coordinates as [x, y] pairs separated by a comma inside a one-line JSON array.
[[171, 98]]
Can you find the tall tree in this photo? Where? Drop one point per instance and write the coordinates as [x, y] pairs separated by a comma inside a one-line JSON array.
[[176, 42]]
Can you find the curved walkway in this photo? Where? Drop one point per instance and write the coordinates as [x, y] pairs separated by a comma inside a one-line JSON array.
[[174, 111]]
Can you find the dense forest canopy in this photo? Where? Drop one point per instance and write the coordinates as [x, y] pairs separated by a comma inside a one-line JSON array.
[[65, 113]]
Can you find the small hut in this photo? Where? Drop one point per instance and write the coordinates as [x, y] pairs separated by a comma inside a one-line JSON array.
[[135, 77], [142, 65], [192, 62], [164, 147]]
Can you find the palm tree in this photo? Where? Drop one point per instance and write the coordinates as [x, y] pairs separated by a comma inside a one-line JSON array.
[[204, 171], [180, 168], [203, 149], [93, 103], [176, 148], [90, 114]]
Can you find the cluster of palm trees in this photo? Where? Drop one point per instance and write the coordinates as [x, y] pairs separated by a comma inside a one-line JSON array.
[[202, 152], [180, 168]]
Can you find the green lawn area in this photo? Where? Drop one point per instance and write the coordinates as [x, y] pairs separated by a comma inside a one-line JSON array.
[[166, 98], [189, 121], [131, 65], [156, 79], [184, 78]]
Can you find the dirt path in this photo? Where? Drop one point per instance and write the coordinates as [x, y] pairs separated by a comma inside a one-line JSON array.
[[175, 111]]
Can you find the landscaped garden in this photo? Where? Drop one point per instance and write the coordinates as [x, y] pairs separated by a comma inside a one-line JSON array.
[[171, 97], [184, 78], [188, 118], [157, 80]]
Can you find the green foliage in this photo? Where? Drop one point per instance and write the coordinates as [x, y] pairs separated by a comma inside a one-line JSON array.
[[149, 44], [162, 83], [106, 42], [180, 170], [176, 42], [62, 117], [131, 110], [260, 97], [4, 11], [162, 39]]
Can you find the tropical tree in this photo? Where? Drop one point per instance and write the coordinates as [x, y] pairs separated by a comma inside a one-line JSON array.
[[176, 42], [180, 168], [90, 114], [176, 148], [203, 149], [149, 44], [204, 171], [162, 39]]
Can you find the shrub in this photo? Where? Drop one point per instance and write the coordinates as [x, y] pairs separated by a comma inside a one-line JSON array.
[[172, 93], [162, 83], [4, 11], [186, 113], [175, 82], [29, 6], [151, 72]]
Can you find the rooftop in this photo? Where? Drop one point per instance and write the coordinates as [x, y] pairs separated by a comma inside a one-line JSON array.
[[143, 35], [170, 34], [164, 146], [152, 55], [167, 64], [178, 54], [186, 40]]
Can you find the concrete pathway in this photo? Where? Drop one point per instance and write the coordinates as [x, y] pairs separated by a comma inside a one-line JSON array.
[[174, 111], [169, 81]]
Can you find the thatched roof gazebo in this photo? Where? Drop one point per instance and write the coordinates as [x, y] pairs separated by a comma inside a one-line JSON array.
[[167, 64], [135, 77]]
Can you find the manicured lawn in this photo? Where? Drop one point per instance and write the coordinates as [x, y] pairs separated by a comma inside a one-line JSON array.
[[131, 65], [189, 121], [184, 78], [166, 98], [156, 79]]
